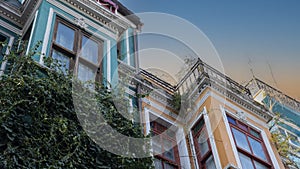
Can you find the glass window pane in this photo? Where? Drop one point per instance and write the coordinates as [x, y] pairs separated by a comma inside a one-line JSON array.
[[246, 161], [158, 164], [168, 150], [198, 126], [2, 50], [257, 149], [231, 120], [62, 59], [255, 133], [168, 166], [210, 163], [89, 50], [202, 142], [65, 36], [240, 139], [156, 145], [259, 165], [85, 73], [242, 126]]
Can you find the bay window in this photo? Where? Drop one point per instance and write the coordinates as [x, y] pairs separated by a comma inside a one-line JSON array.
[[251, 149], [2, 50], [165, 146], [202, 146], [80, 52]]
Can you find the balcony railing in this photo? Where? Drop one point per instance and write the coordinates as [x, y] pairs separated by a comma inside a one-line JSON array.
[[278, 95]]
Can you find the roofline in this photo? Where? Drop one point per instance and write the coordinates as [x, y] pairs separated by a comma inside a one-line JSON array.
[[277, 90], [128, 13]]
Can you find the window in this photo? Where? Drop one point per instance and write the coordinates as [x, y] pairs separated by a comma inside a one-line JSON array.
[[202, 146], [250, 146], [2, 50], [77, 50], [164, 144]]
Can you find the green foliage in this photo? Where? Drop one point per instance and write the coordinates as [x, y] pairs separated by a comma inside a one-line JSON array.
[[176, 100], [39, 125], [282, 143]]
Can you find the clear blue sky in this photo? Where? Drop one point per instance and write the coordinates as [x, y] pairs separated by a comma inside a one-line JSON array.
[[267, 31]]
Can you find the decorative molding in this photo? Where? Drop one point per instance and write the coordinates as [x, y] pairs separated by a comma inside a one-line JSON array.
[[80, 22], [10, 27], [21, 15], [98, 26], [241, 115]]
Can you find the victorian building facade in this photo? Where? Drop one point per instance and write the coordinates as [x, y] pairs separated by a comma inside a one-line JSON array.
[[206, 121], [89, 36], [216, 125]]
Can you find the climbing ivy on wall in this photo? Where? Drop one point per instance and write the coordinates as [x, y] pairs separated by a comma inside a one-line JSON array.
[[39, 127]]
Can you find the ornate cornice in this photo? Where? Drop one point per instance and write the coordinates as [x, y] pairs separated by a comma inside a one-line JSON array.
[[18, 16], [248, 104]]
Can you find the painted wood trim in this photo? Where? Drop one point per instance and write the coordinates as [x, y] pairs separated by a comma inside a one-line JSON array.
[[212, 139], [47, 36], [10, 43], [232, 143], [31, 32]]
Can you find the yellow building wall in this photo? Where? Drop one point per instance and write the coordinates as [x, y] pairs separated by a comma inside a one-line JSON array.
[[212, 105]]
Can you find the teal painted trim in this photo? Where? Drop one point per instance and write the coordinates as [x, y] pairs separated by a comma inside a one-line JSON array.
[[12, 24], [41, 25], [123, 52], [290, 128], [39, 31], [104, 65], [285, 112], [114, 64], [9, 32], [131, 47]]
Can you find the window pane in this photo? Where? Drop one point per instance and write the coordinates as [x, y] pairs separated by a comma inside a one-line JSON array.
[[202, 142], [257, 149], [168, 150], [89, 50], [210, 164], [259, 165], [168, 166], [242, 126], [62, 59], [158, 164], [198, 126], [2, 50], [85, 73], [231, 120], [246, 161], [156, 145], [255, 133], [240, 139], [65, 36]]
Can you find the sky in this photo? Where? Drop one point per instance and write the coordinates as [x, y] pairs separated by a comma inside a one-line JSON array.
[[260, 35]]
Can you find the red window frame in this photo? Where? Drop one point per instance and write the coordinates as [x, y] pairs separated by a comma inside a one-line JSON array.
[[202, 158], [246, 130], [163, 133]]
